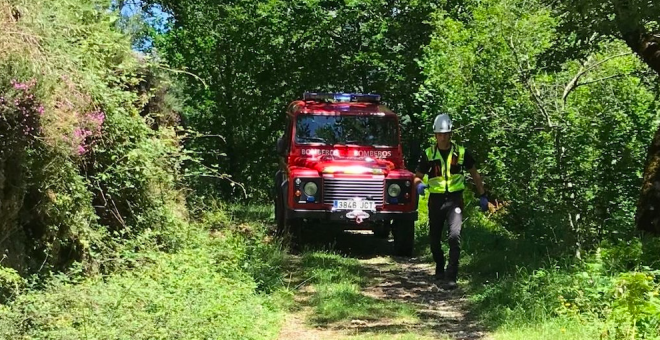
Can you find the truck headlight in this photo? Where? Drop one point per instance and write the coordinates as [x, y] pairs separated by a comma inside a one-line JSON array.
[[310, 188], [394, 190]]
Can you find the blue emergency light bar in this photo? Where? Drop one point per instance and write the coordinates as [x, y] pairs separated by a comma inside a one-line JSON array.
[[342, 97]]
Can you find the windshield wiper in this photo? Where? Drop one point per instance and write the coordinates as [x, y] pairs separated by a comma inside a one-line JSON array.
[[313, 139], [350, 142]]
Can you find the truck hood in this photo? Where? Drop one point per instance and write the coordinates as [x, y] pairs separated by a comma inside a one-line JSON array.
[[340, 165]]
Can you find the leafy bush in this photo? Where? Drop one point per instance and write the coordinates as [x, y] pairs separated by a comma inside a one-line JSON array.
[[200, 292], [636, 308], [589, 292], [247, 241], [89, 171], [10, 284]]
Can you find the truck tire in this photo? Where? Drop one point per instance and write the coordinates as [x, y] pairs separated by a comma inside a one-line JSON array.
[[295, 231], [279, 204], [404, 238], [279, 216]]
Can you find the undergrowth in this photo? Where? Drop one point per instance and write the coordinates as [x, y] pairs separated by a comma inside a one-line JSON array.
[[526, 287], [87, 168], [523, 288], [222, 284]]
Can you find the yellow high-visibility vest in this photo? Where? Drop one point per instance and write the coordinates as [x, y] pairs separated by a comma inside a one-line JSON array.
[[446, 182]]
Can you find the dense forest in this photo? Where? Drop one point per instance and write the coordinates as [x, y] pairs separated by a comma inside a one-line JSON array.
[[137, 155]]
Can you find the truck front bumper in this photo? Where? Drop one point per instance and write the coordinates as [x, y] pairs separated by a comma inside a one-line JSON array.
[[341, 216]]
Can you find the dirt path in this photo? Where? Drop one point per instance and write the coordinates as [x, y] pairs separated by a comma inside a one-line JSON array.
[[440, 314]]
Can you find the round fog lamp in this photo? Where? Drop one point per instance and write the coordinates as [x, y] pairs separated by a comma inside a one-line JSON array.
[[394, 190], [310, 188]]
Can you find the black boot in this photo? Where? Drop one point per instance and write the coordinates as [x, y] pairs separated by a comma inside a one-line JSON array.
[[439, 272], [451, 279]]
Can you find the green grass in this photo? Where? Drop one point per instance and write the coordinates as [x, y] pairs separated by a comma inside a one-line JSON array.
[[337, 283], [408, 336], [251, 213], [224, 285], [526, 286], [228, 283], [344, 301], [557, 328]]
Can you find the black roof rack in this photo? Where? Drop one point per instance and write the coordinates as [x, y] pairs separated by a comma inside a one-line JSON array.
[[342, 97]]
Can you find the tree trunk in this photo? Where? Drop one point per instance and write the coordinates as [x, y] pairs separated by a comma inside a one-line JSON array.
[[647, 46], [648, 208]]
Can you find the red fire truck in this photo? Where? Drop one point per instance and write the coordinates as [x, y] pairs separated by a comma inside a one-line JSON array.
[[341, 165]]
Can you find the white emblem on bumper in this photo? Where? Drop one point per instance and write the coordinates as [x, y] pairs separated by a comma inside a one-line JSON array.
[[358, 215]]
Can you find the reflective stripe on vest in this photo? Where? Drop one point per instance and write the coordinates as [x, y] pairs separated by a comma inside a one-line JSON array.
[[446, 182]]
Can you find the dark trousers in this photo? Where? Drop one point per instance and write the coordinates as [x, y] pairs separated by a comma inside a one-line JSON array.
[[449, 208]]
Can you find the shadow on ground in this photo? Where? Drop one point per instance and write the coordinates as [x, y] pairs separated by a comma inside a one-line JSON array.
[[349, 282], [250, 213], [355, 244]]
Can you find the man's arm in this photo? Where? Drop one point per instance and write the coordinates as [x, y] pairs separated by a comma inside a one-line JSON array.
[[418, 177], [422, 169], [477, 180]]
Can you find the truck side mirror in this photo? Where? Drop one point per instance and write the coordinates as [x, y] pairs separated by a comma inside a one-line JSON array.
[[280, 146]]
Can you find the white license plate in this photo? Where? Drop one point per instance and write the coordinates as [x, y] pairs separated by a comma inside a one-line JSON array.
[[353, 205]]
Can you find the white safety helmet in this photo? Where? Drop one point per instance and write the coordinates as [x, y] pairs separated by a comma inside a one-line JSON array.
[[442, 124]]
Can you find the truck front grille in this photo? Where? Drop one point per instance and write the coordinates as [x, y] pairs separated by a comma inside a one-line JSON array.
[[347, 189]]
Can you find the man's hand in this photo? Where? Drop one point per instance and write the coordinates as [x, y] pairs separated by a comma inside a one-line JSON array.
[[483, 198], [421, 187], [478, 182], [483, 202]]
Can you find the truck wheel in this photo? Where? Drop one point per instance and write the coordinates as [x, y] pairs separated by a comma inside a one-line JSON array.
[[404, 238], [279, 216], [294, 229]]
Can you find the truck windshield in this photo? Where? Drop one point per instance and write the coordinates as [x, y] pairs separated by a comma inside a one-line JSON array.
[[359, 130]]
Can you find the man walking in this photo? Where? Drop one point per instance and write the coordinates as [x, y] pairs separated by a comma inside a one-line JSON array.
[[445, 164]]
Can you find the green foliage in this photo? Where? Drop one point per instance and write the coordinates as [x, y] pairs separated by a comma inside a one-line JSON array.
[[588, 23], [586, 26], [637, 306], [528, 296], [343, 301], [84, 168], [559, 328], [11, 284], [199, 292], [246, 240], [584, 126]]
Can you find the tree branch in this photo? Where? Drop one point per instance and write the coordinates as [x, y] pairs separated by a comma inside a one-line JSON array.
[[603, 79], [530, 86], [606, 60], [573, 84], [206, 86]]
